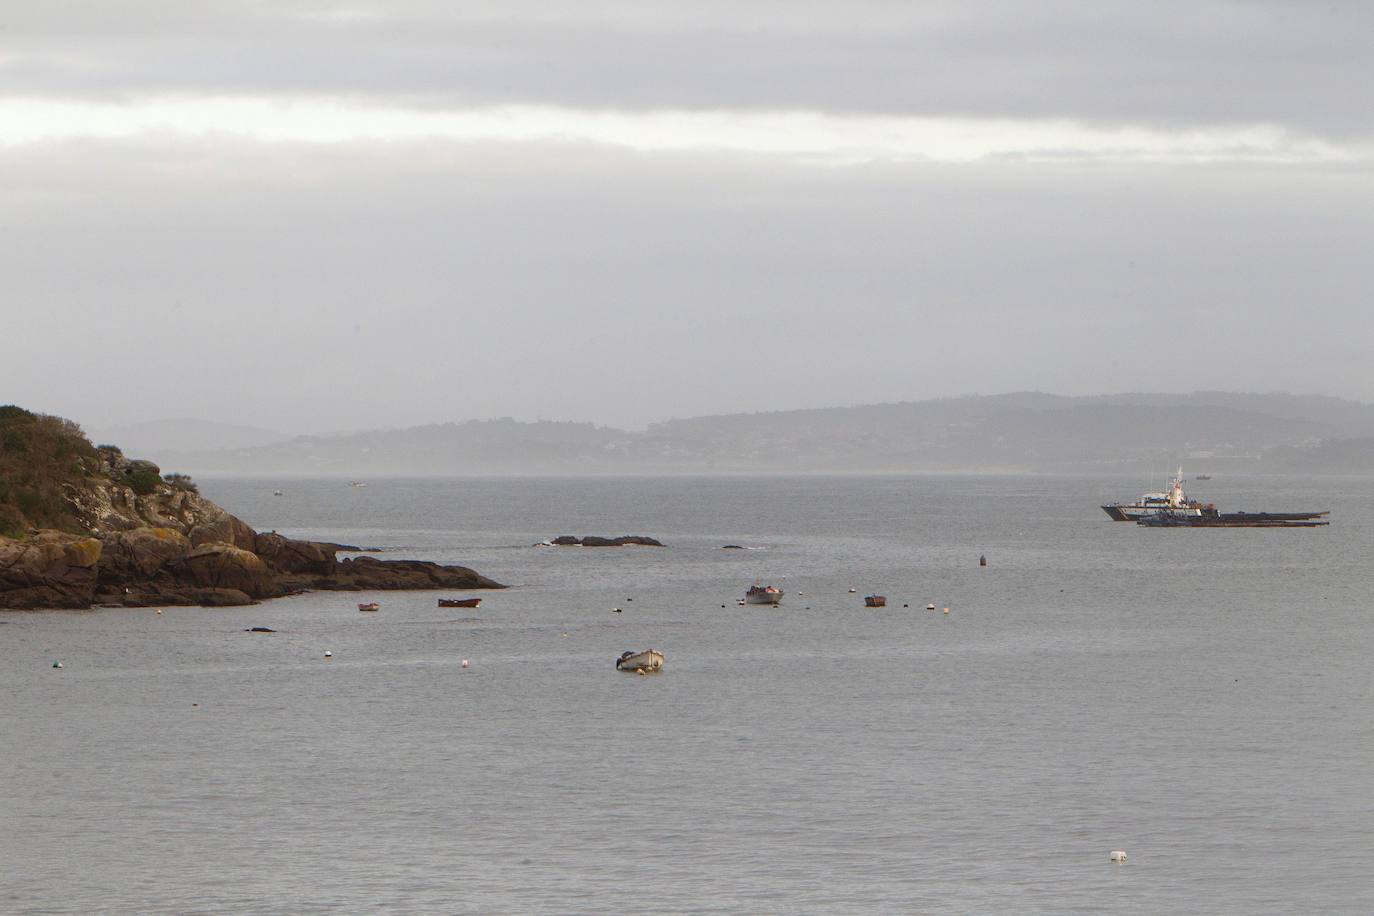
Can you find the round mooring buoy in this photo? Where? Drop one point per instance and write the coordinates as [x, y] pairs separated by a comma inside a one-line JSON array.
[[465, 663], [328, 654], [930, 607]]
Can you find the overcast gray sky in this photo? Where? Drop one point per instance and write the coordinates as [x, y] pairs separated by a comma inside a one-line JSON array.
[[319, 215]]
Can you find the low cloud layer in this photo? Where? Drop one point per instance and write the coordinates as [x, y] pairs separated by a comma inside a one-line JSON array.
[[308, 287], [1298, 66]]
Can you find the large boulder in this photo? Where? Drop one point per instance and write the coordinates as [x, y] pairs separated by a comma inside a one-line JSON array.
[[51, 569], [140, 554], [225, 566], [223, 529], [288, 555]]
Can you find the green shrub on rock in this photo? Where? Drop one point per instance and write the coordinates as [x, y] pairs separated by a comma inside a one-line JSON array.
[[182, 482], [143, 481]]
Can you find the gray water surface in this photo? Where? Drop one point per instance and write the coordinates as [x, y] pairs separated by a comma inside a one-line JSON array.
[[1199, 698]]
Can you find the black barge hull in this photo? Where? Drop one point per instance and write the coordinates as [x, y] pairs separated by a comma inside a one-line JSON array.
[[1238, 520]]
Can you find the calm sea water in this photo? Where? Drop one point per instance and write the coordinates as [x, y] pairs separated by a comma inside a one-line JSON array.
[[1200, 699]]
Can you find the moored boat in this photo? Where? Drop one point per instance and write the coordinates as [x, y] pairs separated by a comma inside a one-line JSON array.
[[875, 601], [459, 602], [763, 594], [645, 660], [1173, 501], [372, 606]]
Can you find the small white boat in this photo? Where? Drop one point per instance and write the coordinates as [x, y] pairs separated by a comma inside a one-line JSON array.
[[647, 660], [763, 594]]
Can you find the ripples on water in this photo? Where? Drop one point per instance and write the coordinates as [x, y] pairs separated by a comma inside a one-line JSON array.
[[1198, 698]]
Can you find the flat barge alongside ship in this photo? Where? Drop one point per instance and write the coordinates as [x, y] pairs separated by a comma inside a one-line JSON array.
[[1214, 519]]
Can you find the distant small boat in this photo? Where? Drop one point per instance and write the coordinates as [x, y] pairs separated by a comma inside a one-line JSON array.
[[875, 601], [647, 660], [374, 606], [459, 602], [1203, 477], [276, 493], [763, 594], [356, 483]]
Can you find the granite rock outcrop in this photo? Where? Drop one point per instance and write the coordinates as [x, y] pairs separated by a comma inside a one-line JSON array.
[[135, 538]]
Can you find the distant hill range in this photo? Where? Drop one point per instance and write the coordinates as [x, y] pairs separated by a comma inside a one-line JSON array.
[[157, 437], [1025, 432]]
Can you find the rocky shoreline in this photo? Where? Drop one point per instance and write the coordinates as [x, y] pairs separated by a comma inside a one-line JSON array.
[[592, 540], [154, 541]]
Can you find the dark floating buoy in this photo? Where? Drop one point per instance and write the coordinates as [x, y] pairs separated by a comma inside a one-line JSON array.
[[983, 560]]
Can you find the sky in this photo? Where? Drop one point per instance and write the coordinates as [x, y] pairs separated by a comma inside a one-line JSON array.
[[317, 216]]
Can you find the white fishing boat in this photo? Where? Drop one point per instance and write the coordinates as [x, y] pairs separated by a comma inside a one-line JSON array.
[[763, 594], [646, 660]]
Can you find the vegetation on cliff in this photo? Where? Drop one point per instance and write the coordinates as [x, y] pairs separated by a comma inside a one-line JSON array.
[[47, 462], [39, 457]]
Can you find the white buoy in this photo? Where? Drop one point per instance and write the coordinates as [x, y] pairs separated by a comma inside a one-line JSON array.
[[328, 654], [565, 635], [930, 607], [1117, 855], [853, 590], [159, 610], [465, 663]]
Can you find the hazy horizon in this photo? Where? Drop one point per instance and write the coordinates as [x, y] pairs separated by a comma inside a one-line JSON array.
[[315, 216], [178, 422]]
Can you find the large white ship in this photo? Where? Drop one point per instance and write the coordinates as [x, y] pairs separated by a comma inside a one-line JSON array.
[[1172, 501]]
